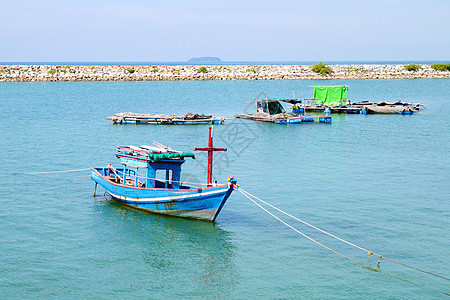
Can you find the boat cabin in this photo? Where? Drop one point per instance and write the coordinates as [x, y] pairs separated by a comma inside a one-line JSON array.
[[164, 174], [162, 169]]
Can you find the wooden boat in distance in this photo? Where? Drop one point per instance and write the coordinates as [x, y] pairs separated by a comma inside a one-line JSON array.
[[160, 119], [159, 189], [365, 107], [333, 99]]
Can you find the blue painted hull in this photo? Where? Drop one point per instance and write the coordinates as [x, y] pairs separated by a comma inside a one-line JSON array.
[[406, 112], [197, 203]]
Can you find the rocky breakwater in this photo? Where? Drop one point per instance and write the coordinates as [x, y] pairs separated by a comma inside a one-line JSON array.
[[17, 73]]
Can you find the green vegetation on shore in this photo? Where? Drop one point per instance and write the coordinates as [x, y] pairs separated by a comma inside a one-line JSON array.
[[440, 67], [322, 68], [202, 70], [412, 67]]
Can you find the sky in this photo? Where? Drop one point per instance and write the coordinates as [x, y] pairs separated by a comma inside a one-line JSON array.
[[245, 30]]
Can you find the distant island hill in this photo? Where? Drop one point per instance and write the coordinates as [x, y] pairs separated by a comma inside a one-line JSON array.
[[29, 72], [205, 59]]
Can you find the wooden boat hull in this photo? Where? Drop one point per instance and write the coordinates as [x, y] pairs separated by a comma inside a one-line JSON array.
[[363, 109], [196, 203], [388, 110]]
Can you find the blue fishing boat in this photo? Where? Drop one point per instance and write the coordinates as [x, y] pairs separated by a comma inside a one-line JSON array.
[[150, 180]]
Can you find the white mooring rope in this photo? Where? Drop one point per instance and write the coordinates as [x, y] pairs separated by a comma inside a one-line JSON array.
[[114, 170], [347, 242], [117, 175], [50, 172], [249, 196]]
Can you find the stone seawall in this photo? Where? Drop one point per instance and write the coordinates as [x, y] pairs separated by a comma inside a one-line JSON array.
[[26, 73]]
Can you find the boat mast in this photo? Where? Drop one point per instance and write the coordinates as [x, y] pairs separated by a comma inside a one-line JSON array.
[[210, 150]]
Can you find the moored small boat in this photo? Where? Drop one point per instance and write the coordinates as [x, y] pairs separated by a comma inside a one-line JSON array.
[[159, 189]]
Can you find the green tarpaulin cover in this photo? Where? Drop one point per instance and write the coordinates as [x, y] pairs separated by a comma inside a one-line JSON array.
[[158, 157], [332, 95]]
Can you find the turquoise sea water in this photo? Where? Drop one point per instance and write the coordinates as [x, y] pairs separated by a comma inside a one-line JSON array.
[[379, 181]]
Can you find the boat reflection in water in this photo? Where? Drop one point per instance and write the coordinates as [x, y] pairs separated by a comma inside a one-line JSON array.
[[173, 256]]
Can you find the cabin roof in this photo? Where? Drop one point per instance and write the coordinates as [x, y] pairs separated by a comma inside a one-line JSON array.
[[156, 157], [141, 156]]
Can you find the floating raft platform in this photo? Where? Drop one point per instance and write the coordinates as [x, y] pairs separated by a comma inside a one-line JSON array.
[[160, 119], [285, 118], [271, 111]]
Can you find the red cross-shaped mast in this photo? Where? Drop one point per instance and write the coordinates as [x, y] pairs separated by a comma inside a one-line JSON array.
[[210, 150]]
